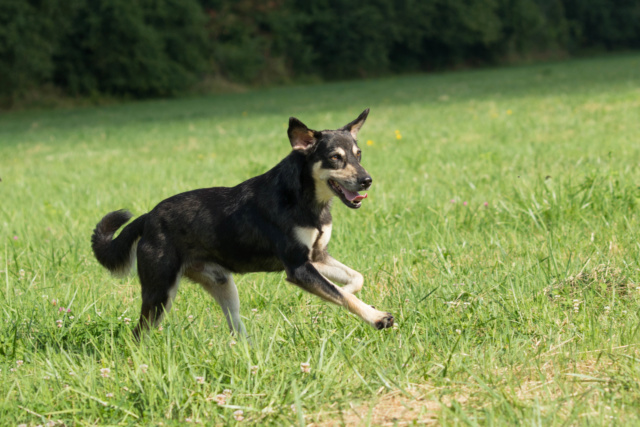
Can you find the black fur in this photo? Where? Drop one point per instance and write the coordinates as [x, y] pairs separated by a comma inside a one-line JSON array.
[[247, 228]]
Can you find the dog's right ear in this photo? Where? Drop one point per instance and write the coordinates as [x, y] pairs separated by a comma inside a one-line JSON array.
[[301, 137]]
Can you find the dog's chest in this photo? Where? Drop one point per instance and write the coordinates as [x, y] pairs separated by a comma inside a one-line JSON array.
[[316, 240]]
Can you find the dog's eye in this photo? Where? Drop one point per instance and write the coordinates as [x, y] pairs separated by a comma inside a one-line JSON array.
[[336, 157], [359, 155]]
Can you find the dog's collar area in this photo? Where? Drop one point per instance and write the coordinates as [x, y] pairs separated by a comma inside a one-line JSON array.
[[349, 198]]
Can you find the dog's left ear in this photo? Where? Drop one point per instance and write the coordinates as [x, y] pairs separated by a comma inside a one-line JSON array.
[[354, 126], [301, 137]]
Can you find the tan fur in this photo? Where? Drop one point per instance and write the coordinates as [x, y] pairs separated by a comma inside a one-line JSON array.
[[362, 310], [333, 269], [355, 129], [226, 293], [323, 240], [320, 176], [347, 174]]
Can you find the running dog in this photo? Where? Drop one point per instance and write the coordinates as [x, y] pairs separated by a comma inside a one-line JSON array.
[[277, 221]]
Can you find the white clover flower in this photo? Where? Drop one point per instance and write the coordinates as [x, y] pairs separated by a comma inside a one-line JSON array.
[[200, 380], [305, 367], [238, 415], [104, 372], [254, 369]]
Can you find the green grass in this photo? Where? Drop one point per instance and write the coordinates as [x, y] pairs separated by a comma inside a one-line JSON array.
[[502, 231]]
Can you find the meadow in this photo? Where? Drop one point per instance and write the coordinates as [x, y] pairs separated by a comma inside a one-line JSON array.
[[502, 231]]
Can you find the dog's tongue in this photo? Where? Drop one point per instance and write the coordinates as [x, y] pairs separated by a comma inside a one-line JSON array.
[[353, 197]]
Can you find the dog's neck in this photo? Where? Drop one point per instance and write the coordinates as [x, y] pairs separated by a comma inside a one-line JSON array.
[[295, 173]]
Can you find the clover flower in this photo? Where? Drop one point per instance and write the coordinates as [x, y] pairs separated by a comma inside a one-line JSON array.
[[238, 415]]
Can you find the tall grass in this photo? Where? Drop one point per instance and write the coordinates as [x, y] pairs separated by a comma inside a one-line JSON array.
[[501, 231]]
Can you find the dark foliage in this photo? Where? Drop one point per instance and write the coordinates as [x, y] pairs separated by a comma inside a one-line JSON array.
[[145, 48]]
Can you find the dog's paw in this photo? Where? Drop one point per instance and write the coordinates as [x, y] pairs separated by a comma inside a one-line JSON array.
[[385, 322]]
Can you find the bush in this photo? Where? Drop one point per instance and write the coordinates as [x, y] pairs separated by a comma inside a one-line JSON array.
[[27, 40], [141, 48], [144, 48]]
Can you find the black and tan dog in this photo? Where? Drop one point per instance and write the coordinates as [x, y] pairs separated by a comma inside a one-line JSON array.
[[277, 221]]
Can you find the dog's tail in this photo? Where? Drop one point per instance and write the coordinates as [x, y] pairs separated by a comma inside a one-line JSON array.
[[117, 255]]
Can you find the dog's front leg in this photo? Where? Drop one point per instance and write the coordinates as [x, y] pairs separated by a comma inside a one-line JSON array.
[[308, 278], [334, 270]]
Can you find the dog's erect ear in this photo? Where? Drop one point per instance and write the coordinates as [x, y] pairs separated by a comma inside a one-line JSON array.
[[354, 126], [301, 137]]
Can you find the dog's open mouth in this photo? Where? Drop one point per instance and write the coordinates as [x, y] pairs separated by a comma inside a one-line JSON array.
[[349, 198]]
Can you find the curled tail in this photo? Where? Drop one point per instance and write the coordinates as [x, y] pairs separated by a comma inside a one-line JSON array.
[[117, 255]]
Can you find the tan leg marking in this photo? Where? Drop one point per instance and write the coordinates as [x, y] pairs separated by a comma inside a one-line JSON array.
[[219, 283], [334, 270]]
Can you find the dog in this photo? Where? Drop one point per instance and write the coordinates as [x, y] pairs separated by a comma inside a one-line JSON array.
[[277, 221]]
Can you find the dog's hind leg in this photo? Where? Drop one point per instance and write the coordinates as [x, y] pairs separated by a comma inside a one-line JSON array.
[[160, 271], [334, 270], [219, 283]]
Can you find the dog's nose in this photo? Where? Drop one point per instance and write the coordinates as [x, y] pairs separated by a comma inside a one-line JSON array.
[[365, 183]]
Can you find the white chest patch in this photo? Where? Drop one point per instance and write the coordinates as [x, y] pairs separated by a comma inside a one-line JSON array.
[[306, 235], [312, 238]]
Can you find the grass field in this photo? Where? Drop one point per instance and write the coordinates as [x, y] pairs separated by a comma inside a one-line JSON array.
[[502, 231]]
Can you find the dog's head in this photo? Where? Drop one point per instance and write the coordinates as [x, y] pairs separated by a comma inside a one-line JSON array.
[[334, 158]]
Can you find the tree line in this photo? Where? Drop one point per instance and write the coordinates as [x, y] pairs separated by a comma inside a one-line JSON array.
[[147, 48]]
